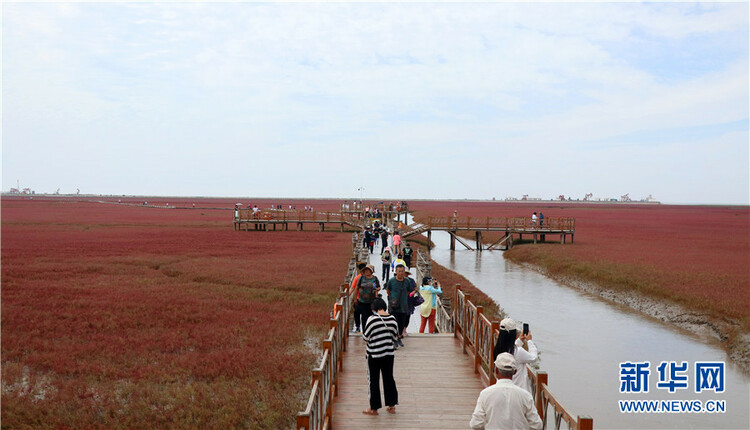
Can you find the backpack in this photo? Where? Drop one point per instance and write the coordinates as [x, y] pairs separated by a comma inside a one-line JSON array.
[[367, 293]]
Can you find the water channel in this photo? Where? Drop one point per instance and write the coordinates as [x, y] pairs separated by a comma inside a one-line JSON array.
[[583, 340]]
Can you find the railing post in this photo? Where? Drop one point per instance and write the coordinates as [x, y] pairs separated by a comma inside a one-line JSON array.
[[456, 324], [303, 422], [495, 326], [477, 335], [465, 328], [344, 293], [317, 375], [585, 423], [541, 379]]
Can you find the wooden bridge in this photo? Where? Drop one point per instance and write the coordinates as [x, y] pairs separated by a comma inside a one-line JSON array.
[[512, 227], [518, 226], [266, 219], [430, 397]]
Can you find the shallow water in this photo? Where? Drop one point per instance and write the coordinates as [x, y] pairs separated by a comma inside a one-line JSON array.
[[583, 340]]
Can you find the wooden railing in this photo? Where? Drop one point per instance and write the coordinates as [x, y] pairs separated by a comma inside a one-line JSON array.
[[279, 215], [507, 223], [478, 335], [318, 410]]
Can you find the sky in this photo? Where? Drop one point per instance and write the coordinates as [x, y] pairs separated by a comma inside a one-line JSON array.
[[383, 100]]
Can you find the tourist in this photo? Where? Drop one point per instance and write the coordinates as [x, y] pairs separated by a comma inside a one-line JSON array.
[[429, 290], [398, 289], [396, 241], [414, 300], [399, 260], [372, 242], [541, 219], [368, 288], [366, 238], [533, 219], [386, 259], [504, 405], [406, 252], [384, 238], [380, 335], [509, 341], [360, 267]]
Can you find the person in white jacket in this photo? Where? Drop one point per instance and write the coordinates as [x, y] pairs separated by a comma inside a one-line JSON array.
[[504, 405], [509, 341]]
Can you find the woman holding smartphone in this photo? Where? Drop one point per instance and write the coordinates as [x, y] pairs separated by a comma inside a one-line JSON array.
[[511, 342]]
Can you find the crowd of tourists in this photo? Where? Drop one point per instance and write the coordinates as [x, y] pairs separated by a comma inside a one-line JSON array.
[[382, 314]]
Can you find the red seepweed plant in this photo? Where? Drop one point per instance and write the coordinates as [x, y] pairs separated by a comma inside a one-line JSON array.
[[692, 255], [118, 316]]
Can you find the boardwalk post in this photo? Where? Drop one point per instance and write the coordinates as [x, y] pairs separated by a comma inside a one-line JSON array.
[[344, 292], [585, 423], [477, 334], [303, 421], [541, 379], [456, 324], [495, 326], [429, 240], [453, 240], [464, 328]]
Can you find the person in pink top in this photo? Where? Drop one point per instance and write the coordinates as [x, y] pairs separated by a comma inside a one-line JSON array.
[[397, 241]]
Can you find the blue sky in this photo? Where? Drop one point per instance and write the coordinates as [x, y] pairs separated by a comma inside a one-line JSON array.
[[409, 100]]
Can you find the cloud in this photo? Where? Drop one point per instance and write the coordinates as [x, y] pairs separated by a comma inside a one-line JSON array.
[[290, 87]]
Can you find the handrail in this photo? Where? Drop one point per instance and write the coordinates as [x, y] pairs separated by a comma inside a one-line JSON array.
[[504, 223], [318, 410], [477, 334]]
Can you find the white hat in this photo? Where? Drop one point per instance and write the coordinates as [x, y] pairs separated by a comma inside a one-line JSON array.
[[507, 324], [506, 362]]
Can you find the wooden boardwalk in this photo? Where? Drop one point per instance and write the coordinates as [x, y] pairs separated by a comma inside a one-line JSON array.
[[437, 386]]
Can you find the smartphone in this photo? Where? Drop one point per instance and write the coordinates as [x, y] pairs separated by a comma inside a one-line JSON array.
[[525, 328]]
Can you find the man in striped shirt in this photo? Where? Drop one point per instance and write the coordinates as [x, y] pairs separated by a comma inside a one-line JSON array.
[[380, 334]]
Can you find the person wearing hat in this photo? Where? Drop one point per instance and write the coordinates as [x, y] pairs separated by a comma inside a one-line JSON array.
[[360, 267], [504, 405], [368, 288], [509, 341]]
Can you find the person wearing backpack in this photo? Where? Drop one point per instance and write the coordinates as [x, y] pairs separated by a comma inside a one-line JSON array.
[[368, 287], [360, 267]]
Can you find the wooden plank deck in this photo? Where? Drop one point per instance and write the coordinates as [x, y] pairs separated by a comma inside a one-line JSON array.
[[437, 387]]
